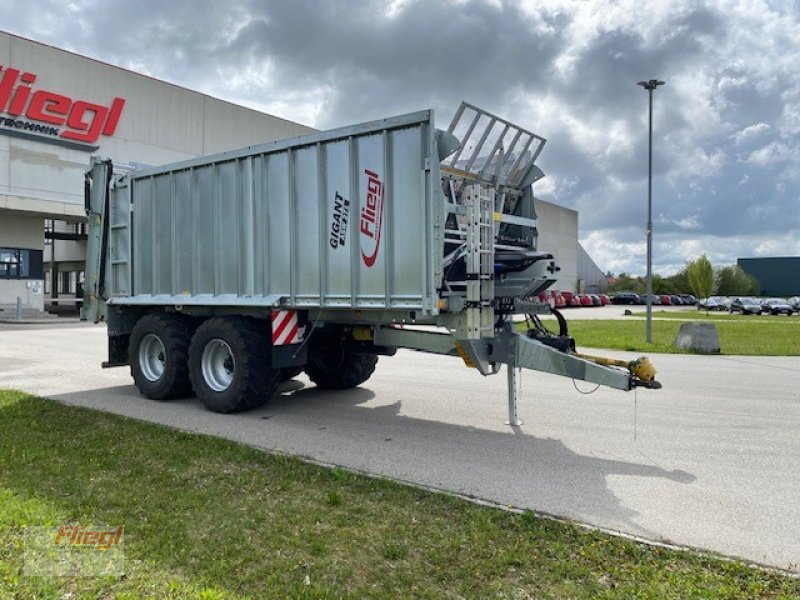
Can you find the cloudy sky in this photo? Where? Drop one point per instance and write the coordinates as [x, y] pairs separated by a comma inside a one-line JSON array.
[[726, 124]]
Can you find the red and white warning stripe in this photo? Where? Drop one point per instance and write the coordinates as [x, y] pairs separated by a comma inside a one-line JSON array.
[[285, 328]]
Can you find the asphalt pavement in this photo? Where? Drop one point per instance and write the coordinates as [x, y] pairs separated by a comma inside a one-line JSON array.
[[711, 461]]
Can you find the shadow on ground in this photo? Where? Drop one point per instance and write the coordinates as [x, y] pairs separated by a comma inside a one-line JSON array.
[[343, 428]]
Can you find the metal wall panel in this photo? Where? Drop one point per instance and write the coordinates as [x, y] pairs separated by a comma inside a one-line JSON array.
[[341, 219], [340, 208], [307, 207], [203, 231], [183, 246]]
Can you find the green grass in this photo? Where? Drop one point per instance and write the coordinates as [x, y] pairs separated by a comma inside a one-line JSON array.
[[208, 518], [700, 315], [738, 335]]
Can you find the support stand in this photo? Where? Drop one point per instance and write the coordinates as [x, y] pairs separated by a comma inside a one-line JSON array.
[[513, 417]]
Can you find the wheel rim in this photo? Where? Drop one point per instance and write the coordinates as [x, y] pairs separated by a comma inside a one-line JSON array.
[[152, 359], [218, 365]]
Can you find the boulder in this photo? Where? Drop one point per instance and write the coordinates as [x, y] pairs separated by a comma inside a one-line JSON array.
[[698, 337]]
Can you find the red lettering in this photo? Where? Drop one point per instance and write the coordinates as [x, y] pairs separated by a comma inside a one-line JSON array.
[[19, 100], [63, 531], [49, 107], [365, 226], [372, 218], [6, 85], [76, 121], [84, 121], [21, 95], [113, 116], [90, 537]]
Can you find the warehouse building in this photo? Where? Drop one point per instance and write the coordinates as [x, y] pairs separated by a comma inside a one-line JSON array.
[[777, 275], [58, 108], [558, 233]]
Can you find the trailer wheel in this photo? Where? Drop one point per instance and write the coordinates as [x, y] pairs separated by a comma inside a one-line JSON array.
[[333, 367], [158, 355], [229, 365]]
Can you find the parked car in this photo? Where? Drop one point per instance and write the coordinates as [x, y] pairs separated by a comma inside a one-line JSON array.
[[625, 298], [585, 300], [676, 300], [795, 302], [725, 303], [559, 299], [777, 306], [665, 299], [604, 299], [688, 299], [655, 300], [595, 300], [746, 306], [570, 299], [712, 303]]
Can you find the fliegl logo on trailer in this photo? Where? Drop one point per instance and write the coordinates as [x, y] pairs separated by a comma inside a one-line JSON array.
[[372, 218], [50, 117]]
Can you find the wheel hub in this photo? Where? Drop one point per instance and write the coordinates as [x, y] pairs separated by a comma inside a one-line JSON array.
[[218, 365], [152, 361]]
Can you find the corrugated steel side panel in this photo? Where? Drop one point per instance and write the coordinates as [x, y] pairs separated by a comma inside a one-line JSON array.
[[269, 221]]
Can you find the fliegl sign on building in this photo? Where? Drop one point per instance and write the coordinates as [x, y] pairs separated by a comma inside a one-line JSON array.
[[52, 118]]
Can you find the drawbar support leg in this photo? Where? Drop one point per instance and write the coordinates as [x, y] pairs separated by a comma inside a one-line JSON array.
[[513, 417]]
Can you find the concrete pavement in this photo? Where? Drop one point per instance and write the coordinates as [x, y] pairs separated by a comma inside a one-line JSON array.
[[711, 461]]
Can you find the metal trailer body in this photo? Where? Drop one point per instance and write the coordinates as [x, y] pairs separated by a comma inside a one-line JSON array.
[[360, 234]]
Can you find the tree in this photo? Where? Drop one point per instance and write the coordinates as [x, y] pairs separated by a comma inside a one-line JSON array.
[[680, 282], [733, 281], [701, 277], [663, 285], [627, 283]]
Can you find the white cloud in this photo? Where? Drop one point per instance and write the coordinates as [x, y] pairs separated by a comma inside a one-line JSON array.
[[687, 223], [751, 132], [774, 152], [726, 124]]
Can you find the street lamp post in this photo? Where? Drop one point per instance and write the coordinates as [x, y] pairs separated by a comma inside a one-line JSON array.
[[650, 86]]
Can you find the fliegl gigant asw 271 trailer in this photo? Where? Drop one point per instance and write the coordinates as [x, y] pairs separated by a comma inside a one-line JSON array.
[[223, 275]]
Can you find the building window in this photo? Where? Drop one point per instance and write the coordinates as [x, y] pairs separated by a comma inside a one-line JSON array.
[[19, 263]]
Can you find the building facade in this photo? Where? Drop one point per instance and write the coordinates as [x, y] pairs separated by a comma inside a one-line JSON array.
[[558, 234], [56, 110], [777, 275]]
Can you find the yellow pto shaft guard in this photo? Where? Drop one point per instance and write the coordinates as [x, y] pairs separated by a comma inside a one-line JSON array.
[[641, 368]]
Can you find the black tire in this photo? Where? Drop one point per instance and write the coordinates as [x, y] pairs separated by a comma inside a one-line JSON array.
[[158, 353], [237, 374], [290, 373], [333, 367]]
